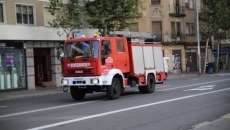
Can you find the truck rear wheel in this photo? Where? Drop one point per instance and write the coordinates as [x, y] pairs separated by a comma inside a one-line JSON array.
[[113, 91], [77, 94], [150, 87]]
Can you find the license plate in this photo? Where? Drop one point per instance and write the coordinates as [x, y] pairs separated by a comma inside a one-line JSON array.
[[78, 79]]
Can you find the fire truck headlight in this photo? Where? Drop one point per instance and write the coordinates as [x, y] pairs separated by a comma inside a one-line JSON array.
[[95, 81], [65, 81]]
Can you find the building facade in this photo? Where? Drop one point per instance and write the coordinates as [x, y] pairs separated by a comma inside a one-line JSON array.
[[27, 45], [173, 23]]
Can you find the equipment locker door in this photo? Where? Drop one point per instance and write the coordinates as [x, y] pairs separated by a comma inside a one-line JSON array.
[[121, 56]]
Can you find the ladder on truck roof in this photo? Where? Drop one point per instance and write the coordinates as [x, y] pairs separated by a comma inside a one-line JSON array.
[[135, 37]]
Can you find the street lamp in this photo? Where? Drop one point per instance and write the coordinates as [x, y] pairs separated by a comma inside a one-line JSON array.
[[198, 37]]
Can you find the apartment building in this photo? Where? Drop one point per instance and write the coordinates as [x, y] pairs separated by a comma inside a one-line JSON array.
[[27, 45], [173, 23]]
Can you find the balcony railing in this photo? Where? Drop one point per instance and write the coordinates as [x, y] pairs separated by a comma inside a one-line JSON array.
[[177, 11], [178, 37], [173, 37], [158, 37]]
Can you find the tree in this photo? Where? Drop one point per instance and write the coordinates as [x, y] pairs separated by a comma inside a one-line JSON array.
[[109, 15], [215, 15], [67, 15]]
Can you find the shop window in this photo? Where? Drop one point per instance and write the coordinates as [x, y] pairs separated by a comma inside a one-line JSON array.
[[25, 14], [120, 46], [12, 67], [2, 18]]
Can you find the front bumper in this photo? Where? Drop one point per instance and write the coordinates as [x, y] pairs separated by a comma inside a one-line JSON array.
[[81, 81]]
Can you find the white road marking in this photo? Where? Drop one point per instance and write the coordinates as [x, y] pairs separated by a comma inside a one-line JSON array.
[[194, 79], [194, 85], [160, 87], [44, 109], [164, 86], [3, 106], [125, 109], [202, 88]]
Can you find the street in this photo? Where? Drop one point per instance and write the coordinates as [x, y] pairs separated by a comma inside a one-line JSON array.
[[181, 103]]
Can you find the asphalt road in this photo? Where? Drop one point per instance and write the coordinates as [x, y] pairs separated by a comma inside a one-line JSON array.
[[179, 104]]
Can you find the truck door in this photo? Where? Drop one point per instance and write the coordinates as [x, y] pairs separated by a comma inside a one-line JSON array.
[[121, 55], [109, 64]]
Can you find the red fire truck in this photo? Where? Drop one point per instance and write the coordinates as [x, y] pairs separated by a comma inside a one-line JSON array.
[[110, 64]]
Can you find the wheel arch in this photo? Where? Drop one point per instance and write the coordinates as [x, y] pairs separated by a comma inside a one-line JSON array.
[[113, 73]]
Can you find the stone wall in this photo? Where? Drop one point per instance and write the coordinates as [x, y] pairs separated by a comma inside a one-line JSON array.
[[168, 52]]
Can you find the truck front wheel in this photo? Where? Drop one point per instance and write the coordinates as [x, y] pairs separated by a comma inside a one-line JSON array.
[[113, 91], [77, 94]]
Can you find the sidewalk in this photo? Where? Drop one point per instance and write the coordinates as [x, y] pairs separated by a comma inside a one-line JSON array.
[[220, 124], [197, 74], [15, 94]]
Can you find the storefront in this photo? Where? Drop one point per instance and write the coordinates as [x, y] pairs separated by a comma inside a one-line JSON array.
[[192, 59], [12, 65]]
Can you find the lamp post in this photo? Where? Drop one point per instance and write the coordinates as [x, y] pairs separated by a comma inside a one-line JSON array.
[[198, 37]]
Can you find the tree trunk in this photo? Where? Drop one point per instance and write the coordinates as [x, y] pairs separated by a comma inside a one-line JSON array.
[[218, 56], [105, 30], [206, 53]]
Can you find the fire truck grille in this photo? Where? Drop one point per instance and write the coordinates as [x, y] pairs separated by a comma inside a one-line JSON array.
[[80, 72]]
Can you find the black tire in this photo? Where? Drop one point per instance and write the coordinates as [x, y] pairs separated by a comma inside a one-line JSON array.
[[166, 76], [122, 90], [113, 91], [150, 87], [77, 94], [141, 89]]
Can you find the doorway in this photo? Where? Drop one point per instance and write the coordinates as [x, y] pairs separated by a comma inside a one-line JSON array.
[[42, 66]]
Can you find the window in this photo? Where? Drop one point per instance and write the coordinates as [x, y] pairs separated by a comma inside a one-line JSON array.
[[173, 30], [2, 20], [133, 27], [189, 4], [155, 2], [187, 28], [107, 46], [120, 46], [157, 30], [25, 14], [192, 29]]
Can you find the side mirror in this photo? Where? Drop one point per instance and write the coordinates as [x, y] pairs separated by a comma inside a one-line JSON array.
[[60, 53]]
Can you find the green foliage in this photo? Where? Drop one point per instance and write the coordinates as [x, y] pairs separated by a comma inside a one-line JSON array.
[[66, 14], [108, 15], [214, 15]]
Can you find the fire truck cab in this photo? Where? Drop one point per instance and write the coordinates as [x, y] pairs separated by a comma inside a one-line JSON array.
[[110, 64]]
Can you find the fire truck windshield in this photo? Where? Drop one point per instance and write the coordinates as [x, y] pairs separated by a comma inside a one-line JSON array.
[[83, 49]]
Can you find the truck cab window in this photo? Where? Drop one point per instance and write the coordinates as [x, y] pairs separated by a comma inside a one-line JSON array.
[[120, 46], [106, 46]]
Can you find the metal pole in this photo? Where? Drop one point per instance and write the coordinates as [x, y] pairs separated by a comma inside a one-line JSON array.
[[198, 37]]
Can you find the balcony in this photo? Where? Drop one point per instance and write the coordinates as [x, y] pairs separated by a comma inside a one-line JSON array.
[[173, 37], [177, 11], [158, 37]]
